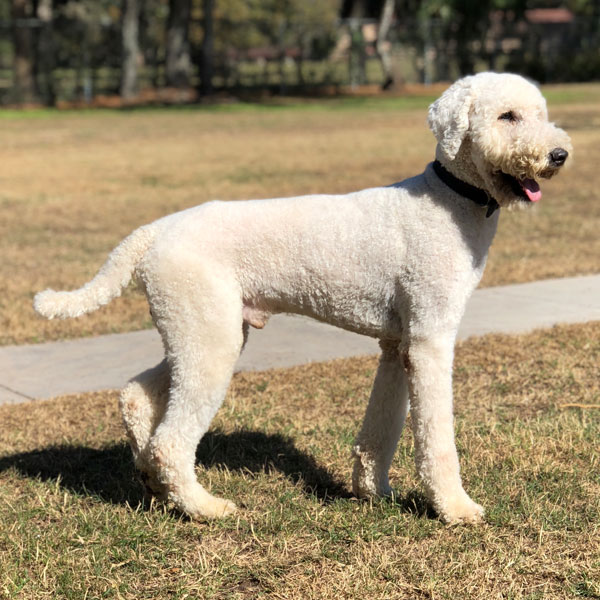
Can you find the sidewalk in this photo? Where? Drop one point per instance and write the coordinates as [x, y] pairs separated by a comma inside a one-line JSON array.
[[107, 362]]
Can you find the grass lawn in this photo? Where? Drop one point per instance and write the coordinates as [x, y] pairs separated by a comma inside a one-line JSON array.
[[73, 523], [75, 183]]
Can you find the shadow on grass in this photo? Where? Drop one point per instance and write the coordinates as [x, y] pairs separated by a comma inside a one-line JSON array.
[[257, 452], [415, 503], [109, 474]]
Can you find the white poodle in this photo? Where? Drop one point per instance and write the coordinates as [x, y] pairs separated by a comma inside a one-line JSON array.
[[397, 263]]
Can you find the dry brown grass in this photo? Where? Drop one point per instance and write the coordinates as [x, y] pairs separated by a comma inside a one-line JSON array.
[[76, 183], [72, 523]]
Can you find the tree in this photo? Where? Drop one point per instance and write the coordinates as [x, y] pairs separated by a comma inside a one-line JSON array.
[[383, 45], [45, 53], [131, 48], [178, 61], [208, 42], [383, 12], [23, 60], [460, 23]]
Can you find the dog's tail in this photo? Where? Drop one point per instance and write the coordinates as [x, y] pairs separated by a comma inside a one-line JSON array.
[[105, 286]]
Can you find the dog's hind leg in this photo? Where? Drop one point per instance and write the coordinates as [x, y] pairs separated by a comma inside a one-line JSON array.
[[142, 403], [202, 333], [376, 443]]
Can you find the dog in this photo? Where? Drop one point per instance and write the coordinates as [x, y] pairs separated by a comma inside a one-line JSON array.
[[397, 263]]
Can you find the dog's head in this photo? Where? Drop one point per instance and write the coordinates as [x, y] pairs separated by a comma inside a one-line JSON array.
[[493, 131]]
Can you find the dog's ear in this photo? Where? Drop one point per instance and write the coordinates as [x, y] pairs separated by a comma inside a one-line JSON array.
[[448, 117]]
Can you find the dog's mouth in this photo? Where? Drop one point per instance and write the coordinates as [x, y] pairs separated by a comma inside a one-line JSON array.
[[526, 189]]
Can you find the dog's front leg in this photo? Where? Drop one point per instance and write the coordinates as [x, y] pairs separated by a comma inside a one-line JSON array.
[[376, 443], [428, 362]]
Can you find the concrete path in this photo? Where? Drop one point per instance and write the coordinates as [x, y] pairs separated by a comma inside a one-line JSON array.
[[107, 362]]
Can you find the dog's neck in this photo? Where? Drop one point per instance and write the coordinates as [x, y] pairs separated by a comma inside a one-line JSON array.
[[459, 183]]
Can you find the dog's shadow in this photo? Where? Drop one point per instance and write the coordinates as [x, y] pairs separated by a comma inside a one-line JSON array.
[[109, 474]]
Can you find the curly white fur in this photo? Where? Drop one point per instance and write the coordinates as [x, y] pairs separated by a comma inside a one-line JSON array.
[[397, 263], [106, 285]]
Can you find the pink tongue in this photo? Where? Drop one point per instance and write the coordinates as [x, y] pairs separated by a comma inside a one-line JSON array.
[[532, 189]]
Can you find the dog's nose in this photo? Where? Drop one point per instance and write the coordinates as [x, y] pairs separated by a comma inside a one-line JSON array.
[[558, 156]]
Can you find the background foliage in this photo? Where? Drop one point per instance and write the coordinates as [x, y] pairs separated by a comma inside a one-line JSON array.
[[78, 50]]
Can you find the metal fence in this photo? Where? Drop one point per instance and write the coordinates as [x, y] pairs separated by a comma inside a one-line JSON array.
[[77, 60]]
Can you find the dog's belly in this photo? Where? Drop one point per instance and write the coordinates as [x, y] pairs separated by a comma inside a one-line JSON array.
[[377, 326], [359, 315]]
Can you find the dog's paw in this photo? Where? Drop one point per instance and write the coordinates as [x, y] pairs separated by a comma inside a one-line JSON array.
[[202, 505], [365, 488], [218, 508], [460, 509], [367, 479]]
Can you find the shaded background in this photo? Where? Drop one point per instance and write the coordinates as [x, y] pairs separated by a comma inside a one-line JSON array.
[[85, 51]]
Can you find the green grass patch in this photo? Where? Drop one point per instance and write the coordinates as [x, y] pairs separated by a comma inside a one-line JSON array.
[[555, 94], [583, 93], [275, 104]]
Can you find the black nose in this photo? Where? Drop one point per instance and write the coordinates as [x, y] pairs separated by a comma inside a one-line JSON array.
[[558, 156]]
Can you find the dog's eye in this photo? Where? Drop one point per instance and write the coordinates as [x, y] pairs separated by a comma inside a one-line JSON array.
[[508, 116]]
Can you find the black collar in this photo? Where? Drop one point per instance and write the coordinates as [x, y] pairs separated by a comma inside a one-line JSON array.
[[477, 195]]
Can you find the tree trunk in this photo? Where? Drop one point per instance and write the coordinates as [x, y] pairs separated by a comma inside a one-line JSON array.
[[207, 66], [299, 62], [179, 64], [382, 46], [23, 61], [45, 53], [131, 48], [356, 55], [281, 52]]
